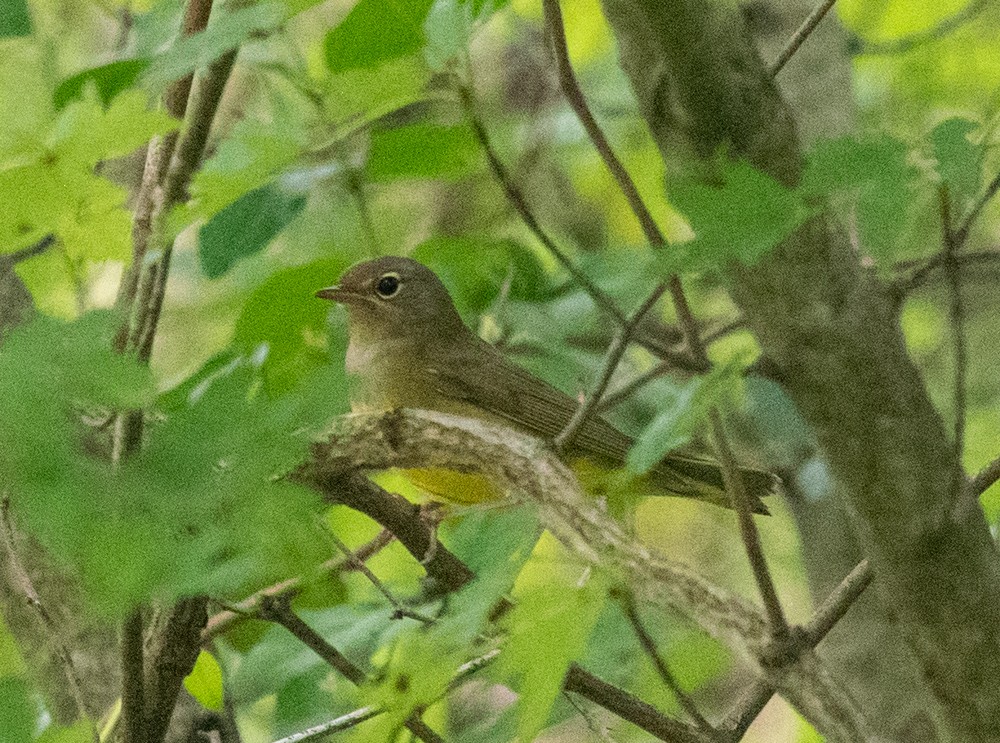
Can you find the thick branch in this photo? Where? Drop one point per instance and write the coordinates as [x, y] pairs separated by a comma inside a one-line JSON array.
[[424, 439], [842, 358]]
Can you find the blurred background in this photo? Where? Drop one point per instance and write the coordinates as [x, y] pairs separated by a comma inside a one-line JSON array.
[[314, 164]]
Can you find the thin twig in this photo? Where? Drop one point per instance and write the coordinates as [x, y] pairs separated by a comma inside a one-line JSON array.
[[611, 361], [748, 530], [649, 646], [9, 260], [689, 326], [962, 233], [520, 204], [986, 477], [826, 616], [957, 317], [803, 33], [249, 607], [631, 708], [22, 582], [903, 286], [358, 564], [280, 612], [351, 719]]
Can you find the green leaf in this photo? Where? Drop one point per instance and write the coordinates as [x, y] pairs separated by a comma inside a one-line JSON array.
[[476, 270], [245, 227], [875, 178], [227, 30], [959, 161], [284, 316], [249, 158], [362, 95], [684, 412], [79, 732], [109, 80], [375, 32], [549, 628], [204, 682], [451, 24], [15, 20], [423, 151], [17, 711], [750, 214]]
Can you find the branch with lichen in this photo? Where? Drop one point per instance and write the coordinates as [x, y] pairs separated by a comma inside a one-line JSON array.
[[355, 444]]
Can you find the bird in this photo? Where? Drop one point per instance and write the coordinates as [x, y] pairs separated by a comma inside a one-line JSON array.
[[409, 348]]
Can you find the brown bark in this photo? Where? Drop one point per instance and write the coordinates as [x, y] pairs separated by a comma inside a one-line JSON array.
[[837, 343]]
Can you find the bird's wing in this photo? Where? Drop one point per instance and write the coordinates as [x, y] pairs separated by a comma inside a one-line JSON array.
[[487, 380]]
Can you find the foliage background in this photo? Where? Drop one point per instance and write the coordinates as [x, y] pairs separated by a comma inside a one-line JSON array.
[[338, 140]]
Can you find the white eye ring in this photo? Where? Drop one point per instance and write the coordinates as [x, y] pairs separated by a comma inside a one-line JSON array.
[[388, 285]]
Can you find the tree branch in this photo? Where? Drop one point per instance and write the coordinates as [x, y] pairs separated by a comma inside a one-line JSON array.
[[279, 610], [410, 439], [803, 33]]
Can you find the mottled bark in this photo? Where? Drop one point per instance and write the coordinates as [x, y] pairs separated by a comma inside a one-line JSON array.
[[837, 343]]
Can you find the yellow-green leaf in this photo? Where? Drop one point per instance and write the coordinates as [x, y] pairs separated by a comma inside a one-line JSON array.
[[204, 682]]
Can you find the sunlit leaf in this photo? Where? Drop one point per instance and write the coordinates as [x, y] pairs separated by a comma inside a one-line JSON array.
[[204, 682], [740, 221], [549, 628], [422, 151], [375, 32]]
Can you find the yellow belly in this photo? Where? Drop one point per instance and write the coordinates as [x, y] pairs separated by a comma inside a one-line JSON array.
[[454, 487]]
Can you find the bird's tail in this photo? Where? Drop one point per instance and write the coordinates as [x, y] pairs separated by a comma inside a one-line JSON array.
[[702, 479]]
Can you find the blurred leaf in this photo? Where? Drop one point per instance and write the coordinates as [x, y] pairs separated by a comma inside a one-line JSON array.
[[959, 161], [17, 710], [15, 19], [360, 95], [374, 32], [284, 315], [245, 227], [681, 416], [11, 663], [227, 30], [422, 151], [476, 270], [549, 628], [249, 158], [740, 221], [875, 177], [109, 80], [204, 682], [80, 732], [451, 25]]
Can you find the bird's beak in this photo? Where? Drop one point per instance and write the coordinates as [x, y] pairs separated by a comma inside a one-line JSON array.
[[333, 293]]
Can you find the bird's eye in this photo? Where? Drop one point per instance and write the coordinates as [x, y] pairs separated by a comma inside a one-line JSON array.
[[388, 285]]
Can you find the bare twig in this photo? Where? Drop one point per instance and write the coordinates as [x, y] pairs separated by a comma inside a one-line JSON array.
[[351, 719], [611, 361], [133, 679], [748, 530], [631, 708], [280, 612], [829, 613], [520, 204], [649, 646], [957, 317], [905, 285], [689, 326], [9, 260], [222, 621], [803, 32], [986, 477], [23, 583]]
